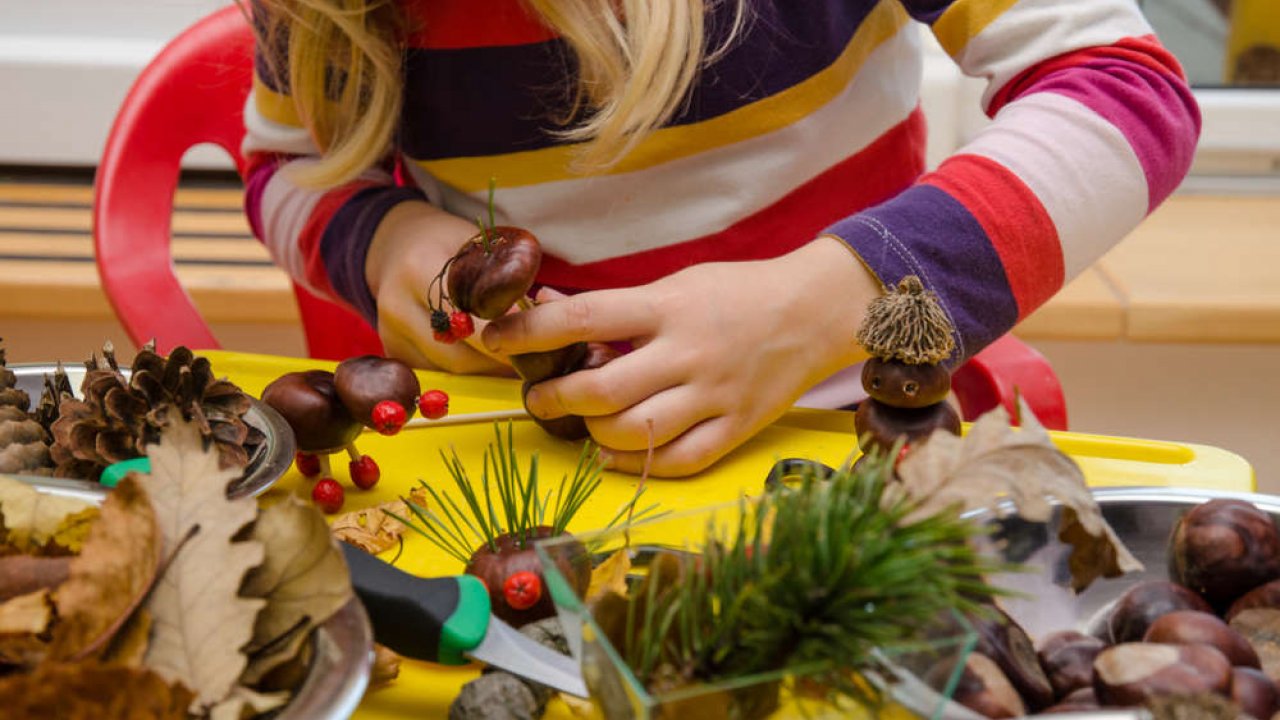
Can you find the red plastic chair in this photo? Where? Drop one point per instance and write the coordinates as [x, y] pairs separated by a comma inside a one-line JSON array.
[[193, 92]]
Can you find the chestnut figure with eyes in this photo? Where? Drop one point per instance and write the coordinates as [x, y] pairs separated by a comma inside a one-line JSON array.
[[513, 574]]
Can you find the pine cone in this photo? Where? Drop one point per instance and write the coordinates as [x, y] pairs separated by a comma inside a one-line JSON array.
[[24, 444], [118, 418]]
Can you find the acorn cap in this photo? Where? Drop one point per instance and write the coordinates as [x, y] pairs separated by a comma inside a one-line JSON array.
[[908, 324]]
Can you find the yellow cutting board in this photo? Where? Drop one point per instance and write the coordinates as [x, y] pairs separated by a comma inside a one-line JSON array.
[[424, 690]]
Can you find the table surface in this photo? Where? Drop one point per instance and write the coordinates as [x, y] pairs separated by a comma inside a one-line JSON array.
[[425, 690]]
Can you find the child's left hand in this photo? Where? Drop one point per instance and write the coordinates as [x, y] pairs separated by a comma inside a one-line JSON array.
[[721, 350]]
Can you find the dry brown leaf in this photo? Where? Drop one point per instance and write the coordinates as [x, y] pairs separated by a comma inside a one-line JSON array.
[[30, 517], [303, 578], [200, 622], [110, 577], [246, 703], [373, 529], [74, 530], [611, 574], [89, 691], [129, 646], [23, 622], [386, 667], [995, 462]]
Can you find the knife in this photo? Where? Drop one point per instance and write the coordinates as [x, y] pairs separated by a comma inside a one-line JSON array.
[[448, 620]]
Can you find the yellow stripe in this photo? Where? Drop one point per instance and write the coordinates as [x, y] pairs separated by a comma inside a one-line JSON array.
[[274, 106], [964, 19], [471, 174]]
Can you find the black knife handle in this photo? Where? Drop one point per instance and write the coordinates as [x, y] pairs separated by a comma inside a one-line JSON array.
[[407, 612]]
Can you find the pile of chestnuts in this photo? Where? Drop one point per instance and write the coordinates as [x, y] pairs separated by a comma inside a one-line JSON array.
[[1210, 630]]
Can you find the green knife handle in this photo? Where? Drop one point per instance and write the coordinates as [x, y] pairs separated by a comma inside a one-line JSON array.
[[434, 619]]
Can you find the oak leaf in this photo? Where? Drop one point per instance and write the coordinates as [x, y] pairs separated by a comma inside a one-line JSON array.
[[129, 646], [111, 576], [375, 528], [303, 578], [31, 518], [23, 622], [90, 691], [995, 463], [200, 622]]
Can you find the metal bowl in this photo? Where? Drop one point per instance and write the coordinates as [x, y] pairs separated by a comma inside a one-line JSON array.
[[1143, 518], [272, 458], [342, 654]]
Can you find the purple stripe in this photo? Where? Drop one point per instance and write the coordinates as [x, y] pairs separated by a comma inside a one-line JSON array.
[[254, 186], [485, 101], [926, 11], [1155, 112], [346, 239], [926, 232]]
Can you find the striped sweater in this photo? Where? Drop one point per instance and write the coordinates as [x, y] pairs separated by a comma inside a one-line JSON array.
[[810, 124]]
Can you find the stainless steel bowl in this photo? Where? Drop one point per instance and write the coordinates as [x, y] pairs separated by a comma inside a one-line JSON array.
[[271, 460], [1143, 518]]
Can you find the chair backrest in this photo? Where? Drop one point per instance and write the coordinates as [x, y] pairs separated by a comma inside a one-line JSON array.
[[192, 93]]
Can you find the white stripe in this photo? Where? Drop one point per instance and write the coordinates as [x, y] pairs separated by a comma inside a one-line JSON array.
[[1035, 30], [264, 135], [596, 218], [1080, 166]]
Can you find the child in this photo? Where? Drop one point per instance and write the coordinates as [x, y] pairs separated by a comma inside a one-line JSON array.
[[725, 184]]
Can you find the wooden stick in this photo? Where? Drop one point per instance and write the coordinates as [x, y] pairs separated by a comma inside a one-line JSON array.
[[467, 419]]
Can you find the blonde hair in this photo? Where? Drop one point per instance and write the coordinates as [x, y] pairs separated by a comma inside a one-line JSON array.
[[637, 60]]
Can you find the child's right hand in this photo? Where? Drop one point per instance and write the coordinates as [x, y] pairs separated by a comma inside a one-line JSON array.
[[413, 241]]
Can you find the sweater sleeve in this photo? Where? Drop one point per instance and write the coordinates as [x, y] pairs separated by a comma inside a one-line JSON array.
[[1093, 126], [318, 236]]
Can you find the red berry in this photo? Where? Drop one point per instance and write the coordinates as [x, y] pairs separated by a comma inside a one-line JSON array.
[[460, 325], [388, 417], [522, 590], [308, 464], [444, 336], [902, 453], [328, 495], [364, 472], [433, 404]]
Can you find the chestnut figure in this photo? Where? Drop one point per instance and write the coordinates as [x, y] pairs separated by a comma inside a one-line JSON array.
[[1191, 627], [984, 689], [363, 382], [494, 270], [308, 401], [538, 366], [898, 384], [1132, 673], [1254, 692], [1006, 643], [1263, 596], [573, 427], [1143, 603], [508, 560], [1067, 660], [1224, 548], [880, 425]]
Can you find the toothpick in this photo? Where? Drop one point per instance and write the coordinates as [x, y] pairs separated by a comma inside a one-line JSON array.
[[467, 419]]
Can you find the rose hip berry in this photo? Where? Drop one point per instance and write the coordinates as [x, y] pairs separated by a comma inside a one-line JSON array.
[[364, 472], [388, 417], [461, 325], [434, 404], [308, 464], [327, 495], [522, 590]]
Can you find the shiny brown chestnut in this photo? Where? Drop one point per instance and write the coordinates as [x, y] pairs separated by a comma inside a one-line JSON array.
[[362, 382], [984, 689], [1081, 700], [1143, 603], [1224, 548], [538, 366], [308, 401], [1005, 642], [1266, 595], [1191, 627], [1067, 660], [573, 427], [494, 270], [1254, 692], [494, 566], [898, 384], [1132, 673], [880, 425]]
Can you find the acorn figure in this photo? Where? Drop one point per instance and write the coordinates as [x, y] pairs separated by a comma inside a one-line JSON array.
[[909, 337]]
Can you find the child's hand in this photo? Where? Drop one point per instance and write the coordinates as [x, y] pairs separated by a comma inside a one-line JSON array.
[[412, 243], [721, 350]]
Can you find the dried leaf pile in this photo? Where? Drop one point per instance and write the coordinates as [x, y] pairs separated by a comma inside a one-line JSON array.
[[180, 603]]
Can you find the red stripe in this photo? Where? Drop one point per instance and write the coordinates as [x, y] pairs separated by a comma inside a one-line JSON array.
[[309, 239], [1145, 50], [882, 170], [453, 24], [1015, 222]]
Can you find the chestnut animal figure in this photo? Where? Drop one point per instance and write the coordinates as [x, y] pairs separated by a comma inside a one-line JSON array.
[[512, 572], [572, 427], [1143, 603], [1224, 548], [1132, 673], [494, 270], [1190, 627]]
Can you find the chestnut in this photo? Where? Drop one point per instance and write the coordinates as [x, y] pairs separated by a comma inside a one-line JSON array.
[[363, 382], [1067, 659], [308, 401], [1081, 700], [898, 384], [498, 564], [494, 270], [1264, 596], [538, 366], [1191, 627], [1006, 643], [880, 425], [1253, 692], [1141, 604], [574, 427], [984, 689], [1224, 548], [1132, 673]]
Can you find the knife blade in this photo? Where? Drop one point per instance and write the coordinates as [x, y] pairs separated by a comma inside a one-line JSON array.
[[448, 620]]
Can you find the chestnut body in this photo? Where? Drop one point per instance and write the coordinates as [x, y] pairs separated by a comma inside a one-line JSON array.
[[984, 689], [1263, 596], [1143, 603], [1254, 692], [1006, 643], [538, 366], [573, 427], [1067, 659], [880, 425], [898, 384], [495, 568], [309, 402], [364, 381], [1189, 627], [1132, 673], [1224, 548], [486, 279]]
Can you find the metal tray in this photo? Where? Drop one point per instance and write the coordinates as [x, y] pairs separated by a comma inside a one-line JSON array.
[[343, 644], [271, 460]]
